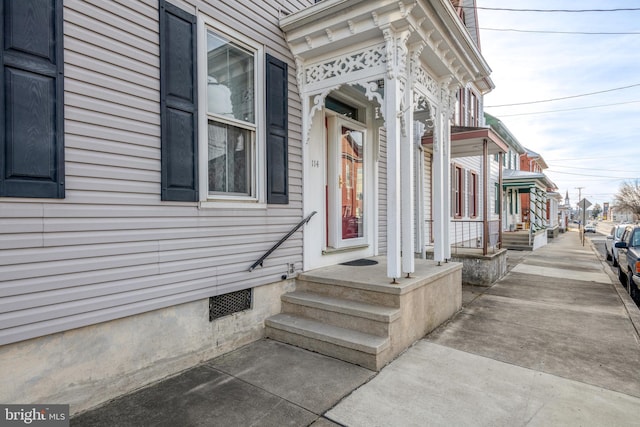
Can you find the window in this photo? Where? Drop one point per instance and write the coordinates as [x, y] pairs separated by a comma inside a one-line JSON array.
[[473, 194], [217, 139], [341, 108], [496, 208], [31, 104], [231, 117], [457, 186], [463, 107], [473, 109]]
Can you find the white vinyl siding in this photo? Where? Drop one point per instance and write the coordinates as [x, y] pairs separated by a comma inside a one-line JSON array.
[[111, 248]]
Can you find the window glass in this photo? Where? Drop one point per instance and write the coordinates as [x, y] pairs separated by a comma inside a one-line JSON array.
[[341, 108], [232, 119], [352, 163], [230, 79], [229, 158]]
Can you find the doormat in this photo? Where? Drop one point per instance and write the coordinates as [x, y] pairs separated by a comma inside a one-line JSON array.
[[360, 262]]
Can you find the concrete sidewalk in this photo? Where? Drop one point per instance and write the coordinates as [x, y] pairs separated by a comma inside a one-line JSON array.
[[553, 343]]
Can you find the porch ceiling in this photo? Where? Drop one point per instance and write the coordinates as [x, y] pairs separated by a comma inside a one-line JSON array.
[[468, 141], [331, 28]]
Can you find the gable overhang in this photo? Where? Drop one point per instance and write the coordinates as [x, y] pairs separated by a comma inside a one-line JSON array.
[[469, 142], [331, 27]]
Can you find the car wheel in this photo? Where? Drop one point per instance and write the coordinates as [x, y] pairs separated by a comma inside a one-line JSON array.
[[609, 257], [622, 277], [633, 291]]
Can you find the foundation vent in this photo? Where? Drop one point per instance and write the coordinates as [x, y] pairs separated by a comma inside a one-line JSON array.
[[233, 302]]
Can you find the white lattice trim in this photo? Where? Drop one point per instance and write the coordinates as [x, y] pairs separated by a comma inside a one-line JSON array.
[[427, 82], [370, 57]]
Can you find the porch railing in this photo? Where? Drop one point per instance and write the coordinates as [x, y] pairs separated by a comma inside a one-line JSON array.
[[470, 234]]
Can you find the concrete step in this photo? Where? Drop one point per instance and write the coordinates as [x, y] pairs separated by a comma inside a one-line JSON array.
[[514, 241], [363, 317], [356, 347], [344, 288], [514, 247], [515, 238]]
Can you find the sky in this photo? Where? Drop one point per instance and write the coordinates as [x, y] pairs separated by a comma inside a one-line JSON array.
[[596, 148]]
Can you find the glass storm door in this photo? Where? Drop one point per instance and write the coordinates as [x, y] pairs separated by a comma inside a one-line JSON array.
[[346, 184]]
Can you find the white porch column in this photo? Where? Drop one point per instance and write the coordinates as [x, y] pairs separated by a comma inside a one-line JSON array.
[[419, 208], [439, 202], [533, 221], [446, 214], [392, 104], [399, 196], [407, 182]]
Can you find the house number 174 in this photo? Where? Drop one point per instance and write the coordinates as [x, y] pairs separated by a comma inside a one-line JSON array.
[[315, 163]]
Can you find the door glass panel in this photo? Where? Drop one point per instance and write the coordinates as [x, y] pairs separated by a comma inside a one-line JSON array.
[[351, 183]]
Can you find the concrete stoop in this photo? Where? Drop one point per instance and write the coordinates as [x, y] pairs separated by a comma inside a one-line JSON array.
[[518, 241], [366, 321]]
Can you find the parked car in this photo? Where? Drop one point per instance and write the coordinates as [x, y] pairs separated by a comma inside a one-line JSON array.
[[590, 228], [610, 243], [629, 260]]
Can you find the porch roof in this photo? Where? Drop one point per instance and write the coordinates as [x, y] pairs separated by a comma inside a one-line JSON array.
[[524, 179], [468, 141], [331, 28]]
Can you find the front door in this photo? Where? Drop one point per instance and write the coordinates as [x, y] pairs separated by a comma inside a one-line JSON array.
[[347, 216]]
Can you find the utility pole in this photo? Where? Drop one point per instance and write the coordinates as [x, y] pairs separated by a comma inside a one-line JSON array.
[[581, 225]]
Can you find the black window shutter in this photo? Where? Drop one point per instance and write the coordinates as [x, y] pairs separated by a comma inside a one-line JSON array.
[[31, 99], [178, 104], [277, 127]]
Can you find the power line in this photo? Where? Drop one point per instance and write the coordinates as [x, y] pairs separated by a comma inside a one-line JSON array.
[[599, 33], [565, 97], [589, 175], [568, 109], [617, 156], [599, 169], [630, 9]]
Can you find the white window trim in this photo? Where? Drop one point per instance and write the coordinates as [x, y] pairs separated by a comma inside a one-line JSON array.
[[258, 199]]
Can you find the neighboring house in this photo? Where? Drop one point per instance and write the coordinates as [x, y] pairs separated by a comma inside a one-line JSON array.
[[532, 186], [564, 213], [530, 204], [156, 151], [510, 163], [555, 224], [536, 205], [474, 232], [621, 215]]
